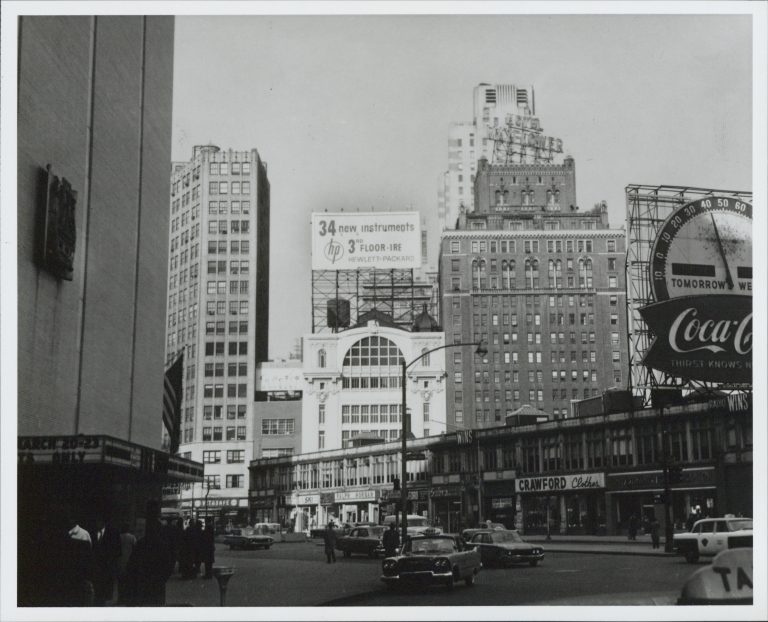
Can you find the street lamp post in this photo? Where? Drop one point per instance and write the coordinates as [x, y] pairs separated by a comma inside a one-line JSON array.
[[481, 350]]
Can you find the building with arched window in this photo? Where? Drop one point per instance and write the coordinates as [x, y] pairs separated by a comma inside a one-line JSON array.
[[353, 384]]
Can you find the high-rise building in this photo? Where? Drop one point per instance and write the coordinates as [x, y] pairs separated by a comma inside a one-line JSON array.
[[92, 233], [218, 303], [470, 141], [542, 283]]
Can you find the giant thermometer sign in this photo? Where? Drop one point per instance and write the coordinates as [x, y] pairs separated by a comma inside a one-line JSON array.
[[701, 277]]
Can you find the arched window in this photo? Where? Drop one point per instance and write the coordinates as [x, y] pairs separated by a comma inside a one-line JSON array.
[[479, 279], [531, 272], [321, 359], [499, 198], [372, 363], [588, 271]]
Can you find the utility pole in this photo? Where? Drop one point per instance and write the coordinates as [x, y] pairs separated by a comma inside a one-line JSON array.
[[668, 530]]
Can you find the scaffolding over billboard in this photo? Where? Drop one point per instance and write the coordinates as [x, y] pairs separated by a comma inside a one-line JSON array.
[[341, 297], [648, 206]]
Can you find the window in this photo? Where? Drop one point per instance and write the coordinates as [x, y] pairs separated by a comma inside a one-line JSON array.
[[272, 427], [613, 282], [611, 246], [211, 457], [234, 481], [213, 481], [321, 358], [321, 440], [321, 413]]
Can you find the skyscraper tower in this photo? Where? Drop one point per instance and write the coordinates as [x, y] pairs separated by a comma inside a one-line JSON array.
[[470, 141], [217, 314]]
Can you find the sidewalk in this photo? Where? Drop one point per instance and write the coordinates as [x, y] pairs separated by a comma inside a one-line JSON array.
[[607, 545]]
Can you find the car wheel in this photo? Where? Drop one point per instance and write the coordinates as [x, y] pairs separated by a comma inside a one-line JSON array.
[[533, 562], [691, 556], [470, 580]]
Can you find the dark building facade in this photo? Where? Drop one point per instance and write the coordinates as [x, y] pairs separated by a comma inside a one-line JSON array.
[[542, 284], [94, 137], [583, 475]]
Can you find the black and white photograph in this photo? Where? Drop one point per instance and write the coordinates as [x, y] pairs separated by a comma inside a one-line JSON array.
[[383, 310]]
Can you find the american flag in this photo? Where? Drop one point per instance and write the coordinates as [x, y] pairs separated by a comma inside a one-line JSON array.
[[463, 437], [172, 401]]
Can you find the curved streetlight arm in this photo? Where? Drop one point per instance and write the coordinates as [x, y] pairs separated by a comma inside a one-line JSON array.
[[480, 350]]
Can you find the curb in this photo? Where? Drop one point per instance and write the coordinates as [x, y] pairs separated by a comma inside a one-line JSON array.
[[592, 551]]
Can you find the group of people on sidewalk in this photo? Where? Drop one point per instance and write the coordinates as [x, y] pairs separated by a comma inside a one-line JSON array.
[[654, 528], [74, 567]]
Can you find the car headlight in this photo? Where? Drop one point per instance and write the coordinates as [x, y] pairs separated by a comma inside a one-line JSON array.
[[442, 565], [537, 551], [389, 566]]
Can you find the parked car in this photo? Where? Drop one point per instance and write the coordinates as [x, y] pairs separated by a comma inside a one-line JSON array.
[[505, 547], [429, 560], [416, 524], [247, 538], [365, 540], [340, 529], [269, 529], [709, 536]]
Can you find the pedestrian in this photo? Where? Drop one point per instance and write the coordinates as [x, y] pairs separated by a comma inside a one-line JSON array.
[[690, 521], [75, 561], [127, 544], [151, 562], [655, 528], [107, 549], [197, 546], [633, 524], [391, 541], [186, 553], [208, 548], [329, 539]]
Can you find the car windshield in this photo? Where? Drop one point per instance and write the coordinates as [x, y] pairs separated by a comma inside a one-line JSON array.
[[505, 536], [743, 523], [418, 522], [430, 546]]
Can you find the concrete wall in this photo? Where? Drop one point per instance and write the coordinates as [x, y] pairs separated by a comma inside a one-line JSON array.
[[95, 98]]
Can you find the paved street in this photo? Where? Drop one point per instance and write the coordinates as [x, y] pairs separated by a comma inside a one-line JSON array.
[[295, 574]]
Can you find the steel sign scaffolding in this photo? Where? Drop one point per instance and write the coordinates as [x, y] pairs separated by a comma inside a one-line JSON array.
[[648, 206]]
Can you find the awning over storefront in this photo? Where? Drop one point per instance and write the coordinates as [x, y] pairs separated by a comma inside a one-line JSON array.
[[47, 451]]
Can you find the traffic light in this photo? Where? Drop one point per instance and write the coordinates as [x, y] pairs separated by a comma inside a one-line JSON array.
[[396, 484], [675, 474]]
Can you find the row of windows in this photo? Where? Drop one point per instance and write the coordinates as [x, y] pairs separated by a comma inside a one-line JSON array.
[[231, 433], [217, 390], [533, 301], [235, 327], [273, 427], [235, 267], [219, 307], [233, 207], [224, 226], [229, 168], [182, 281], [234, 456], [369, 413], [234, 348], [182, 258], [277, 452], [531, 281], [513, 375], [233, 481], [186, 237], [371, 382], [233, 369], [234, 411], [532, 246], [236, 247], [220, 287], [225, 187]]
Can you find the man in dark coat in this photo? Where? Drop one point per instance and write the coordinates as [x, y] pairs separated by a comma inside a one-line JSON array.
[[391, 540], [208, 548], [107, 549], [329, 539], [151, 563]]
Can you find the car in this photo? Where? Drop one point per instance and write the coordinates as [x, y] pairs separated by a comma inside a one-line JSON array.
[[365, 540], [505, 548], [416, 525], [247, 538], [709, 536], [429, 560], [269, 529]]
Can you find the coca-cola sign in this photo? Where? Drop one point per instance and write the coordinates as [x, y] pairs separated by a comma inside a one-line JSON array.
[[702, 337]]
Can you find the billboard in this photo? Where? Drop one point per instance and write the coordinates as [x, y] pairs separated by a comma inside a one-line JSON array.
[[351, 241], [701, 277]]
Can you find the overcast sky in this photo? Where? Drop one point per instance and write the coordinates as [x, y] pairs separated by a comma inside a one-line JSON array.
[[353, 112]]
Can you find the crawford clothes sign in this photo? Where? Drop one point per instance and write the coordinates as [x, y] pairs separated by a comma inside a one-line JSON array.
[[554, 483], [366, 240], [700, 272], [701, 337]]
